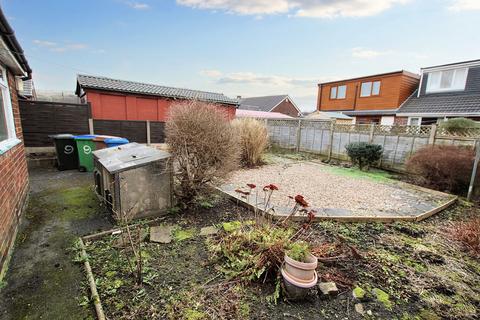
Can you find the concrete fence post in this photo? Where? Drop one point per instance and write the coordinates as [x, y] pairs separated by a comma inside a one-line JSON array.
[[372, 132], [474, 171], [90, 126], [330, 147], [299, 135], [433, 134], [148, 133]]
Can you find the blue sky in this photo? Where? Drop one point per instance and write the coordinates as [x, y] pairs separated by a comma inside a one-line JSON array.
[[240, 47]]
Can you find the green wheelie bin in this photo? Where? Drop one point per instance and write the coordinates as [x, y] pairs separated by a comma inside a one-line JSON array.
[[85, 147]]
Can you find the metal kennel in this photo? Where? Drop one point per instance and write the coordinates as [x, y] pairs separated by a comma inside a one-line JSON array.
[[135, 181]]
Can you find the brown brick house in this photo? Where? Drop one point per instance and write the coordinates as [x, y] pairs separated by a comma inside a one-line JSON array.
[[370, 99], [281, 104], [13, 166]]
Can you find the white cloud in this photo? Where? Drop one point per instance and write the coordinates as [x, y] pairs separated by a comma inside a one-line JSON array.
[[44, 43], [137, 5], [300, 8], [367, 53], [344, 8], [303, 90], [464, 5], [55, 47], [364, 53], [246, 7], [211, 73], [265, 80]]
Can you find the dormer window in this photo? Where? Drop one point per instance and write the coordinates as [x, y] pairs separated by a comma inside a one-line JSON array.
[[338, 92], [368, 89], [447, 80]]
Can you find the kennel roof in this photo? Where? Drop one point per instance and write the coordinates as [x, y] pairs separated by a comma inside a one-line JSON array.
[[128, 156]]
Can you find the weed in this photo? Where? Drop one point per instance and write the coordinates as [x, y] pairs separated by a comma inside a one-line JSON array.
[[181, 235], [467, 233], [299, 251]]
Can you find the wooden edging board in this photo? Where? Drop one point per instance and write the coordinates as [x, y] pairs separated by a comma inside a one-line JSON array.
[[91, 279], [419, 217]]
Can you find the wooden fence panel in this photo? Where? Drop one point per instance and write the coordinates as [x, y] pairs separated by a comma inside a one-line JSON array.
[[134, 131], [43, 118], [157, 132]]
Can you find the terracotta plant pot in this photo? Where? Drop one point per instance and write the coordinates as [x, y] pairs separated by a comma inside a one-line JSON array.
[[295, 289], [301, 271]]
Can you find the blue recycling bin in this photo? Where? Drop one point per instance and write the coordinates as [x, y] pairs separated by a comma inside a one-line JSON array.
[[114, 142]]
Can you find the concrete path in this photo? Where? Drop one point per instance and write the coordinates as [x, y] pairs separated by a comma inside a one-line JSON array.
[[43, 282]]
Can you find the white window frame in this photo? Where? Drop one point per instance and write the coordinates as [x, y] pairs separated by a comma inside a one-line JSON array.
[[335, 89], [12, 139], [409, 122], [387, 120], [429, 88], [370, 93]]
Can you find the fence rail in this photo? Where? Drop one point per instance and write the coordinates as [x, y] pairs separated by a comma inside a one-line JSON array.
[[329, 138]]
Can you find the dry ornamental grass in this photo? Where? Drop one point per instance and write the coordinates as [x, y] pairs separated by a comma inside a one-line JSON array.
[[253, 139]]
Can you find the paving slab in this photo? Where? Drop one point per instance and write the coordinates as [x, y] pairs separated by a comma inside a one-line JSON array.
[[161, 234], [207, 231]]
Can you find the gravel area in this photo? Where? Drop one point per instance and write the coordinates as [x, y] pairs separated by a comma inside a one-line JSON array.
[[326, 187]]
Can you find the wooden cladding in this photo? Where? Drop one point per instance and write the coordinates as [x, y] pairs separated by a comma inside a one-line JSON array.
[[393, 90], [41, 119]]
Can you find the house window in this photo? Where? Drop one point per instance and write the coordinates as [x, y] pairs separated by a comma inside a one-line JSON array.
[[370, 89], [414, 121], [7, 126], [447, 80], [338, 92], [333, 93]]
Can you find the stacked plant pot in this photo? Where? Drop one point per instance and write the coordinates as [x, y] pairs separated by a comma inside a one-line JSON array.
[[299, 277]]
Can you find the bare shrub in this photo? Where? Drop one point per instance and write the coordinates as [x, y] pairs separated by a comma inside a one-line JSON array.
[[443, 167], [458, 125], [468, 233], [203, 144], [253, 139]]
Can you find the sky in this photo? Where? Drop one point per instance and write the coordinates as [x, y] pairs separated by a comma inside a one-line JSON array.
[[240, 47]]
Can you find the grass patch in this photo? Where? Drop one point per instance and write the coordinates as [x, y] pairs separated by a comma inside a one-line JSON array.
[[355, 173]]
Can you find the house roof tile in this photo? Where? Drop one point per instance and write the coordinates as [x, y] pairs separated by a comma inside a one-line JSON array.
[[265, 103], [454, 104], [104, 83]]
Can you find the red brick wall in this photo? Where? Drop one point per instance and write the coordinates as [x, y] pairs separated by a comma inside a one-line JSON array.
[[13, 183], [118, 106], [286, 107], [400, 121]]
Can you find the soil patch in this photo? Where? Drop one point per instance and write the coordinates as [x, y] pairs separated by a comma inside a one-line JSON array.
[[406, 270]]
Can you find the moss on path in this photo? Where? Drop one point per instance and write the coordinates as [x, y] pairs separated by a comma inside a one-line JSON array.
[[42, 281]]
